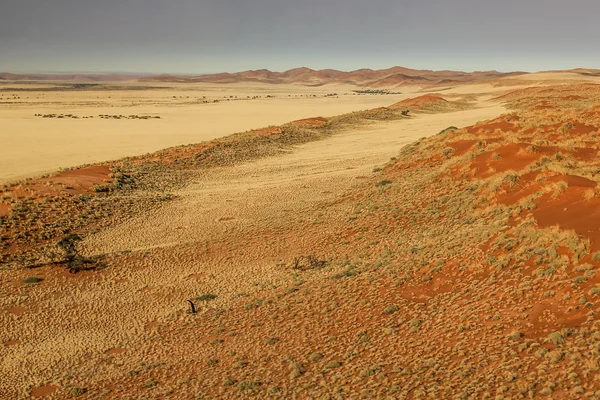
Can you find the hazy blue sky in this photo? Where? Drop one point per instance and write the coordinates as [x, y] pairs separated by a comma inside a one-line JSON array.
[[199, 36]]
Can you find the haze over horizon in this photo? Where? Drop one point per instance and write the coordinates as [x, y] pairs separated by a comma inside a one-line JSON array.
[[189, 37]]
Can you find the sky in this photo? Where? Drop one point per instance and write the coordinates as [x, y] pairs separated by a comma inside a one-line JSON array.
[[208, 36]]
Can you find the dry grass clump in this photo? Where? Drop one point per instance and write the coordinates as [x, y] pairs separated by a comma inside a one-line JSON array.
[[32, 279], [206, 297], [305, 263], [556, 338]]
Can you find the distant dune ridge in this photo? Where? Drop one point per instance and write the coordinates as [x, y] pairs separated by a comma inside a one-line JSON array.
[[394, 76]]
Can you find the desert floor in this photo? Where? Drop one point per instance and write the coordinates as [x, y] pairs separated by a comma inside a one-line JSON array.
[[90, 318], [360, 197], [188, 114]]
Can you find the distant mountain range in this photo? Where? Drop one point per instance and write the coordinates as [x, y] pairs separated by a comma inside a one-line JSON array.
[[395, 76], [391, 77]]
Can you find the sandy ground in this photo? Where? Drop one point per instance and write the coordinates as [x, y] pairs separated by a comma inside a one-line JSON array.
[[111, 309], [34, 145], [257, 192]]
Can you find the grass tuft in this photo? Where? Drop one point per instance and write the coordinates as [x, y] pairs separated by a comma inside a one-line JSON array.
[[206, 297], [32, 279]]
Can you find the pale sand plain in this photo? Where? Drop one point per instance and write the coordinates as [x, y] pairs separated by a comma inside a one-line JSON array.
[[188, 114], [74, 330]]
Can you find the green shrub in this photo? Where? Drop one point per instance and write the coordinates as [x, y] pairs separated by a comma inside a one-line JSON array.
[[206, 297], [74, 261], [384, 182], [32, 279], [567, 127], [346, 274], [305, 263], [448, 129]]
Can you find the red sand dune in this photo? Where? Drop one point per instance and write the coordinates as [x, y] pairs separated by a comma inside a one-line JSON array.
[[513, 157], [5, 209], [426, 99], [582, 129], [463, 146], [268, 131], [567, 199], [572, 98], [83, 179], [76, 181], [502, 126], [276, 130], [571, 210], [316, 121], [44, 391]]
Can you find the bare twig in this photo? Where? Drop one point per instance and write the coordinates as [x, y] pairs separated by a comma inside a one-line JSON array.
[[192, 307]]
